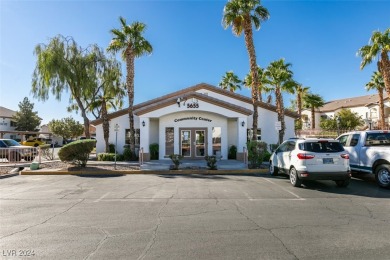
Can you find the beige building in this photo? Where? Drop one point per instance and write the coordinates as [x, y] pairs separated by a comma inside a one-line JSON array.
[[366, 106]]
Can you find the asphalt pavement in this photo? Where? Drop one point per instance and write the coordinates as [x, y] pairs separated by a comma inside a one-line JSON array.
[[191, 217]]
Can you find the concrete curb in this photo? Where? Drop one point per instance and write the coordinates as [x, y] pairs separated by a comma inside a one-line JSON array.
[[13, 172], [158, 172]]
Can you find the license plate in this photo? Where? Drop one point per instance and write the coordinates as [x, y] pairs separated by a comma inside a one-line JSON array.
[[327, 160]]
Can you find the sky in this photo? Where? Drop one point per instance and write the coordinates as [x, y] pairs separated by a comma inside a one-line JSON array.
[[190, 46]]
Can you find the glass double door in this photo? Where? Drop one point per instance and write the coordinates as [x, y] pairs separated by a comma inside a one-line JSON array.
[[193, 143]]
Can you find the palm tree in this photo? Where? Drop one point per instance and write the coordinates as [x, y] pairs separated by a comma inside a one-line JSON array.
[[378, 84], [313, 101], [379, 46], [230, 81], [262, 82], [241, 15], [300, 91], [108, 94], [130, 41], [280, 80]]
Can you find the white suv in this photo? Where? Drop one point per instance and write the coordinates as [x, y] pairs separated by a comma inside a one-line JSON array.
[[311, 159]]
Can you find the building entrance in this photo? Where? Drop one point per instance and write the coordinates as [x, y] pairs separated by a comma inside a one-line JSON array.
[[193, 143]]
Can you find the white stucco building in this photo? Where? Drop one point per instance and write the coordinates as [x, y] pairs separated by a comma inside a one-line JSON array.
[[194, 122], [6, 123], [365, 106]]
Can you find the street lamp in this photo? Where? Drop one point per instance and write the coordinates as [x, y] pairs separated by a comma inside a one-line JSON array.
[[116, 129]]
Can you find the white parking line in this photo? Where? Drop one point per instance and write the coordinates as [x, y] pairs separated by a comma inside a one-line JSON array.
[[102, 197], [292, 193]]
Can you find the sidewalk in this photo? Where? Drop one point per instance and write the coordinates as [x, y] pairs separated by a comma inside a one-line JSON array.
[[155, 167], [192, 165]]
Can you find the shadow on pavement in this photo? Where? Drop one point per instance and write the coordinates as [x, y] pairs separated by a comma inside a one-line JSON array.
[[94, 175], [365, 187]]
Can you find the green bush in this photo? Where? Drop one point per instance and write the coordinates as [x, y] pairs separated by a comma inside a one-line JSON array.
[[256, 152], [153, 148], [110, 157], [127, 155], [266, 156], [232, 152], [77, 152], [176, 158], [211, 162], [111, 148]]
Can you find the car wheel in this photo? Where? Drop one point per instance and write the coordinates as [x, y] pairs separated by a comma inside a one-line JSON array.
[[273, 170], [343, 183], [382, 175], [295, 181]]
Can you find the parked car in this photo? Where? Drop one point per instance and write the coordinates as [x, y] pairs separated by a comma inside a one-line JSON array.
[[311, 159], [34, 142], [14, 151], [369, 152]]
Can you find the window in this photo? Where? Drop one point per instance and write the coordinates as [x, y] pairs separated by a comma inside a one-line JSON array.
[[216, 140], [250, 134], [136, 137], [321, 147], [378, 139], [354, 140], [169, 141], [343, 139], [13, 124]]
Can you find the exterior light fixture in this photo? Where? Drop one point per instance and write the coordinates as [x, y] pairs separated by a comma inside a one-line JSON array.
[[178, 102], [143, 123], [243, 123]]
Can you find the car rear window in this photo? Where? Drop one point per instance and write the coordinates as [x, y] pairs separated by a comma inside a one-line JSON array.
[[378, 139], [321, 147]]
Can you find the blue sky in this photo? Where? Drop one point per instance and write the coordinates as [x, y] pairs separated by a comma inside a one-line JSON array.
[[319, 38]]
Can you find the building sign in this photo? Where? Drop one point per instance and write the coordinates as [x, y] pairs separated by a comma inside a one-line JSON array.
[[192, 118]]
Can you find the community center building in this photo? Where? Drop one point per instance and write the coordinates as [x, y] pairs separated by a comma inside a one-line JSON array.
[[194, 122]]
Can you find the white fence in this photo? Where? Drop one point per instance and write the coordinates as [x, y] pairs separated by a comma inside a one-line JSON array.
[[13, 155]]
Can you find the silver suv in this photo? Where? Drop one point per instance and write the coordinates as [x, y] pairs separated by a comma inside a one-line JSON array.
[[311, 159]]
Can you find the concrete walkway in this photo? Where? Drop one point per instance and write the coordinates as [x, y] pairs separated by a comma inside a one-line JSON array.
[[155, 165]]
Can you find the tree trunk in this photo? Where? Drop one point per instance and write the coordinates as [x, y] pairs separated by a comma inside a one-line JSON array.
[[279, 107], [381, 109], [84, 115], [106, 125], [384, 68], [299, 105], [253, 67], [313, 120], [130, 92]]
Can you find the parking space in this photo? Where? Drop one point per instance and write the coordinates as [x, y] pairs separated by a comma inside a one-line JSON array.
[[192, 217]]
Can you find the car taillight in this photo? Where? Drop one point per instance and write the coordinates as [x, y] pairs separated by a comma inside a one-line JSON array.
[[345, 156], [304, 156]]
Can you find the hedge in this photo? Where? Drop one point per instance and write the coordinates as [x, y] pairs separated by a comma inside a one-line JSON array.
[[77, 152]]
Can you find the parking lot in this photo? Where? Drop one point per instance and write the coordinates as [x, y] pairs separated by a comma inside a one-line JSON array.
[[191, 217]]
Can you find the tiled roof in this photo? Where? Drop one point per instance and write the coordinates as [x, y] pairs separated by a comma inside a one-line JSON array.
[[139, 107], [7, 113], [350, 102]]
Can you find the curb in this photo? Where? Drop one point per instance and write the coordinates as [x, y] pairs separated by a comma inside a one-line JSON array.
[[158, 172], [13, 172]]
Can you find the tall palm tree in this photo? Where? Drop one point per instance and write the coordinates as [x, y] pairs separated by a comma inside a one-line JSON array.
[[379, 46], [300, 91], [280, 80], [230, 81], [377, 83], [241, 15], [313, 101], [262, 81], [130, 41]]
